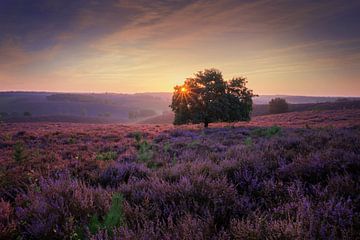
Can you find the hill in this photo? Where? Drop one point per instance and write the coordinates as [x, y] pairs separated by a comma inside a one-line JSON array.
[[259, 110], [110, 107], [72, 107]]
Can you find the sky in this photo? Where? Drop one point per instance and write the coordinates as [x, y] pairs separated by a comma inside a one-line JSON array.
[[282, 47]]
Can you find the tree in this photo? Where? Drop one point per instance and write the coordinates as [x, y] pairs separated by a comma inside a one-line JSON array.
[[207, 98], [278, 105], [27, 114]]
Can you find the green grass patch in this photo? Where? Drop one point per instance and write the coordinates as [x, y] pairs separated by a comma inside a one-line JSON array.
[[107, 156], [267, 132], [145, 153], [248, 141], [114, 218], [19, 152]]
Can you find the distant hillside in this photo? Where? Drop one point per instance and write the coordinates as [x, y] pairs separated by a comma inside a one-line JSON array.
[[263, 109], [122, 108], [265, 99], [78, 107]]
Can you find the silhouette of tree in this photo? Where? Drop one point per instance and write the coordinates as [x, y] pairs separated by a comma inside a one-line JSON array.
[[27, 114], [207, 98], [278, 105]]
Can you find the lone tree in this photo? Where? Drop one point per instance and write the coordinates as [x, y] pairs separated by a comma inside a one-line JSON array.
[[278, 105], [207, 98]]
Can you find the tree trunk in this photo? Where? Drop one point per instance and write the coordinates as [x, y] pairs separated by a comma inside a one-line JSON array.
[[206, 123]]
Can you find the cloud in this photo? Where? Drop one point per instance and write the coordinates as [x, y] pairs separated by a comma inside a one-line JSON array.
[[132, 40]]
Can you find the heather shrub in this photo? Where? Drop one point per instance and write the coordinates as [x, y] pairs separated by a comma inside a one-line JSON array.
[[120, 173], [260, 227], [203, 184], [58, 208], [7, 220], [156, 200], [331, 219], [186, 227]]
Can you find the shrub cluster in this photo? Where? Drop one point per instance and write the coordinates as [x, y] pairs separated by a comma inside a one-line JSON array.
[[218, 183]]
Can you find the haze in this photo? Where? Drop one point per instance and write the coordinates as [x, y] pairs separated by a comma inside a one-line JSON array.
[[282, 47]]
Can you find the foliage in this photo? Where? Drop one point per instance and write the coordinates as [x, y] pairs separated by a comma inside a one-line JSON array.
[[208, 98], [4, 115], [19, 152], [267, 132], [145, 153], [27, 114], [106, 156], [57, 207], [245, 182], [248, 141], [120, 173], [7, 220], [278, 105], [114, 217]]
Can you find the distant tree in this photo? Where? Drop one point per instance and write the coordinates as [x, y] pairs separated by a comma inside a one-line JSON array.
[[4, 114], [342, 100], [207, 98], [84, 112], [278, 105], [27, 114]]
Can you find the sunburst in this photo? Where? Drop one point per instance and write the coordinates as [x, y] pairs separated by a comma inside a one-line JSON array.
[[184, 93]]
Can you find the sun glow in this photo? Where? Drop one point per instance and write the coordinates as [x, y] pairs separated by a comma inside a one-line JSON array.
[[183, 90]]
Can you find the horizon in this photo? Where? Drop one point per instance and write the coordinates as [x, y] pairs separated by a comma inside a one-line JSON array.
[[297, 48], [133, 93]]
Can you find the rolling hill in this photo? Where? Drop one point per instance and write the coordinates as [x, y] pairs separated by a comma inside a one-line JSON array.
[[124, 108]]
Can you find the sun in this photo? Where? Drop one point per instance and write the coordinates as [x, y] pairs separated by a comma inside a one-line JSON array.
[[183, 90]]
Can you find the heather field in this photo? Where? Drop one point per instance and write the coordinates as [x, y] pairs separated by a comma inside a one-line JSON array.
[[286, 176]]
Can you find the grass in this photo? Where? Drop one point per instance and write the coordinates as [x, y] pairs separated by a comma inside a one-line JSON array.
[[107, 156], [267, 132], [114, 217], [248, 141], [144, 151]]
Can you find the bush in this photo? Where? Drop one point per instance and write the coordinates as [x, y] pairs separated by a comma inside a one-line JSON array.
[[56, 208], [113, 176], [278, 105], [267, 132], [145, 153], [114, 217], [19, 152], [7, 221], [27, 114]]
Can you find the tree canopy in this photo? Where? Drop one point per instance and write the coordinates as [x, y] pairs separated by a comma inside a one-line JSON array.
[[278, 105], [207, 98]]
